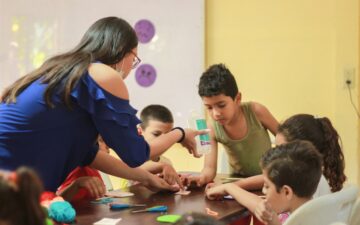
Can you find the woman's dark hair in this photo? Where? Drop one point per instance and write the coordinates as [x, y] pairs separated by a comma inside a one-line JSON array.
[[108, 40], [323, 135], [20, 198]]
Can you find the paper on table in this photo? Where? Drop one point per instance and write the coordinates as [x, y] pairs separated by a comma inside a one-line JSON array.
[[183, 192], [228, 197], [107, 221]]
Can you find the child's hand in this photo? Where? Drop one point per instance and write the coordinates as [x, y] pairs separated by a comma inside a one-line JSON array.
[[155, 184], [189, 140], [215, 192], [93, 184], [266, 214], [210, 185], [171, 176], [198, 180]]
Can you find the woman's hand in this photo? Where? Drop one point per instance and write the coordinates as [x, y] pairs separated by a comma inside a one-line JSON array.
[[171, 176], [189, 140], [155, 184]]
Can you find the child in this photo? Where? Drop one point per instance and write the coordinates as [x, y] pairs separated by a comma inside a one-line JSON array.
[[84, 182], [19, 198], [195, 218], [291, 174], [321, 133], [156, 120], [240, 127]]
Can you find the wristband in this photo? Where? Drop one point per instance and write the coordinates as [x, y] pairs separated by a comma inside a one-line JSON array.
[[182, 132]]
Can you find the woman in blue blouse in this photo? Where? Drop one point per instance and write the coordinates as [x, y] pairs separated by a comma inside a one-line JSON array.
[[50, 118]]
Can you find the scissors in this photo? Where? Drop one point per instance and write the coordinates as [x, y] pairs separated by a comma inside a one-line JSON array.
[[119, 206], [158, 208]]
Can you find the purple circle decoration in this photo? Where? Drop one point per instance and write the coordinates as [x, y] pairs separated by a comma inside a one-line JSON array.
[[145, 75], [145, 30]]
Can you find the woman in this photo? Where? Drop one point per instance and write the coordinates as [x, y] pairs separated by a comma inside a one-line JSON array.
[[51, 117]]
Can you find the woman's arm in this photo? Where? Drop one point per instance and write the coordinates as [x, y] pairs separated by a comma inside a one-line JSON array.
[[162, 143], [121, 134], [110, 165]]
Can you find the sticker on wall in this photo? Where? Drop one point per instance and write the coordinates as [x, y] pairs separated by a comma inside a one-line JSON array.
[[145, 30], [145, 75]]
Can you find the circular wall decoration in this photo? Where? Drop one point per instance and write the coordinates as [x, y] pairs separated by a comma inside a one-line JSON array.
[[145, 30], [145, 75]]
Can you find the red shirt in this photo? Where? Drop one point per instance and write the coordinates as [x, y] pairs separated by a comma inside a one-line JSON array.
[[78, 172]]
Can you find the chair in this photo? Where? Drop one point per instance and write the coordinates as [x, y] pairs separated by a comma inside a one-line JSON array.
[[355, 214], [324, 210]]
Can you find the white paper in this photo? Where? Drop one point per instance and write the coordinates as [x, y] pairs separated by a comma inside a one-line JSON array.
[[107, 221]]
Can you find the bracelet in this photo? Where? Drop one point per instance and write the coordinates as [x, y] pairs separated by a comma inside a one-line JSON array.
[[182, 132]]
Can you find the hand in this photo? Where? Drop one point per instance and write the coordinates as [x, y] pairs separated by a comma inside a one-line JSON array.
[[171, 176], [199, 181], [155, 184], [94, 185], [209, 185], [189, 140], [215, 192], [266, 214]]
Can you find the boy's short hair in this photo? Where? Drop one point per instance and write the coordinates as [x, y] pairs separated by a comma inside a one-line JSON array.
[[216, 80], [296, 164], [155, 112]]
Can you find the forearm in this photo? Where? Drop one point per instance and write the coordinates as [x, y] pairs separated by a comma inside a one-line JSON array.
[[245, 198], [110, 165], [160, 144], [209, 174], [251, 183], [153, 167]]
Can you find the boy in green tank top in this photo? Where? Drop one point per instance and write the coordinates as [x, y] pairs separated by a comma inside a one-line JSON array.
[[240, 127]]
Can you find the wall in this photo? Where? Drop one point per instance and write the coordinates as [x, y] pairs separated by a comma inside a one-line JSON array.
[[32, 31], [290, 56]]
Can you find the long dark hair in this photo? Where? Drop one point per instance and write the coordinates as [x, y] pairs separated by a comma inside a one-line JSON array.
[[108, 40], [20, 198], [323, 135]]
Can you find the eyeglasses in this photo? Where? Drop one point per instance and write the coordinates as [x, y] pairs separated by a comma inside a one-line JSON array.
[[136, 61]]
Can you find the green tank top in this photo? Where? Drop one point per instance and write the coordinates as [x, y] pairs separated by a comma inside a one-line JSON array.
[[244, 154]]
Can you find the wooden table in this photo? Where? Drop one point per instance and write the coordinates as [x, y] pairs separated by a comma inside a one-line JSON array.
[[229, 210]]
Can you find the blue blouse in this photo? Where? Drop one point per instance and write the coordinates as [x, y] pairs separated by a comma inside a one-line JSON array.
[[54, 141]]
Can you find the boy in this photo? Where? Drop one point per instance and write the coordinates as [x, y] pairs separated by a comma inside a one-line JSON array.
[[291, 174], [156, 120], [240, 127]]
